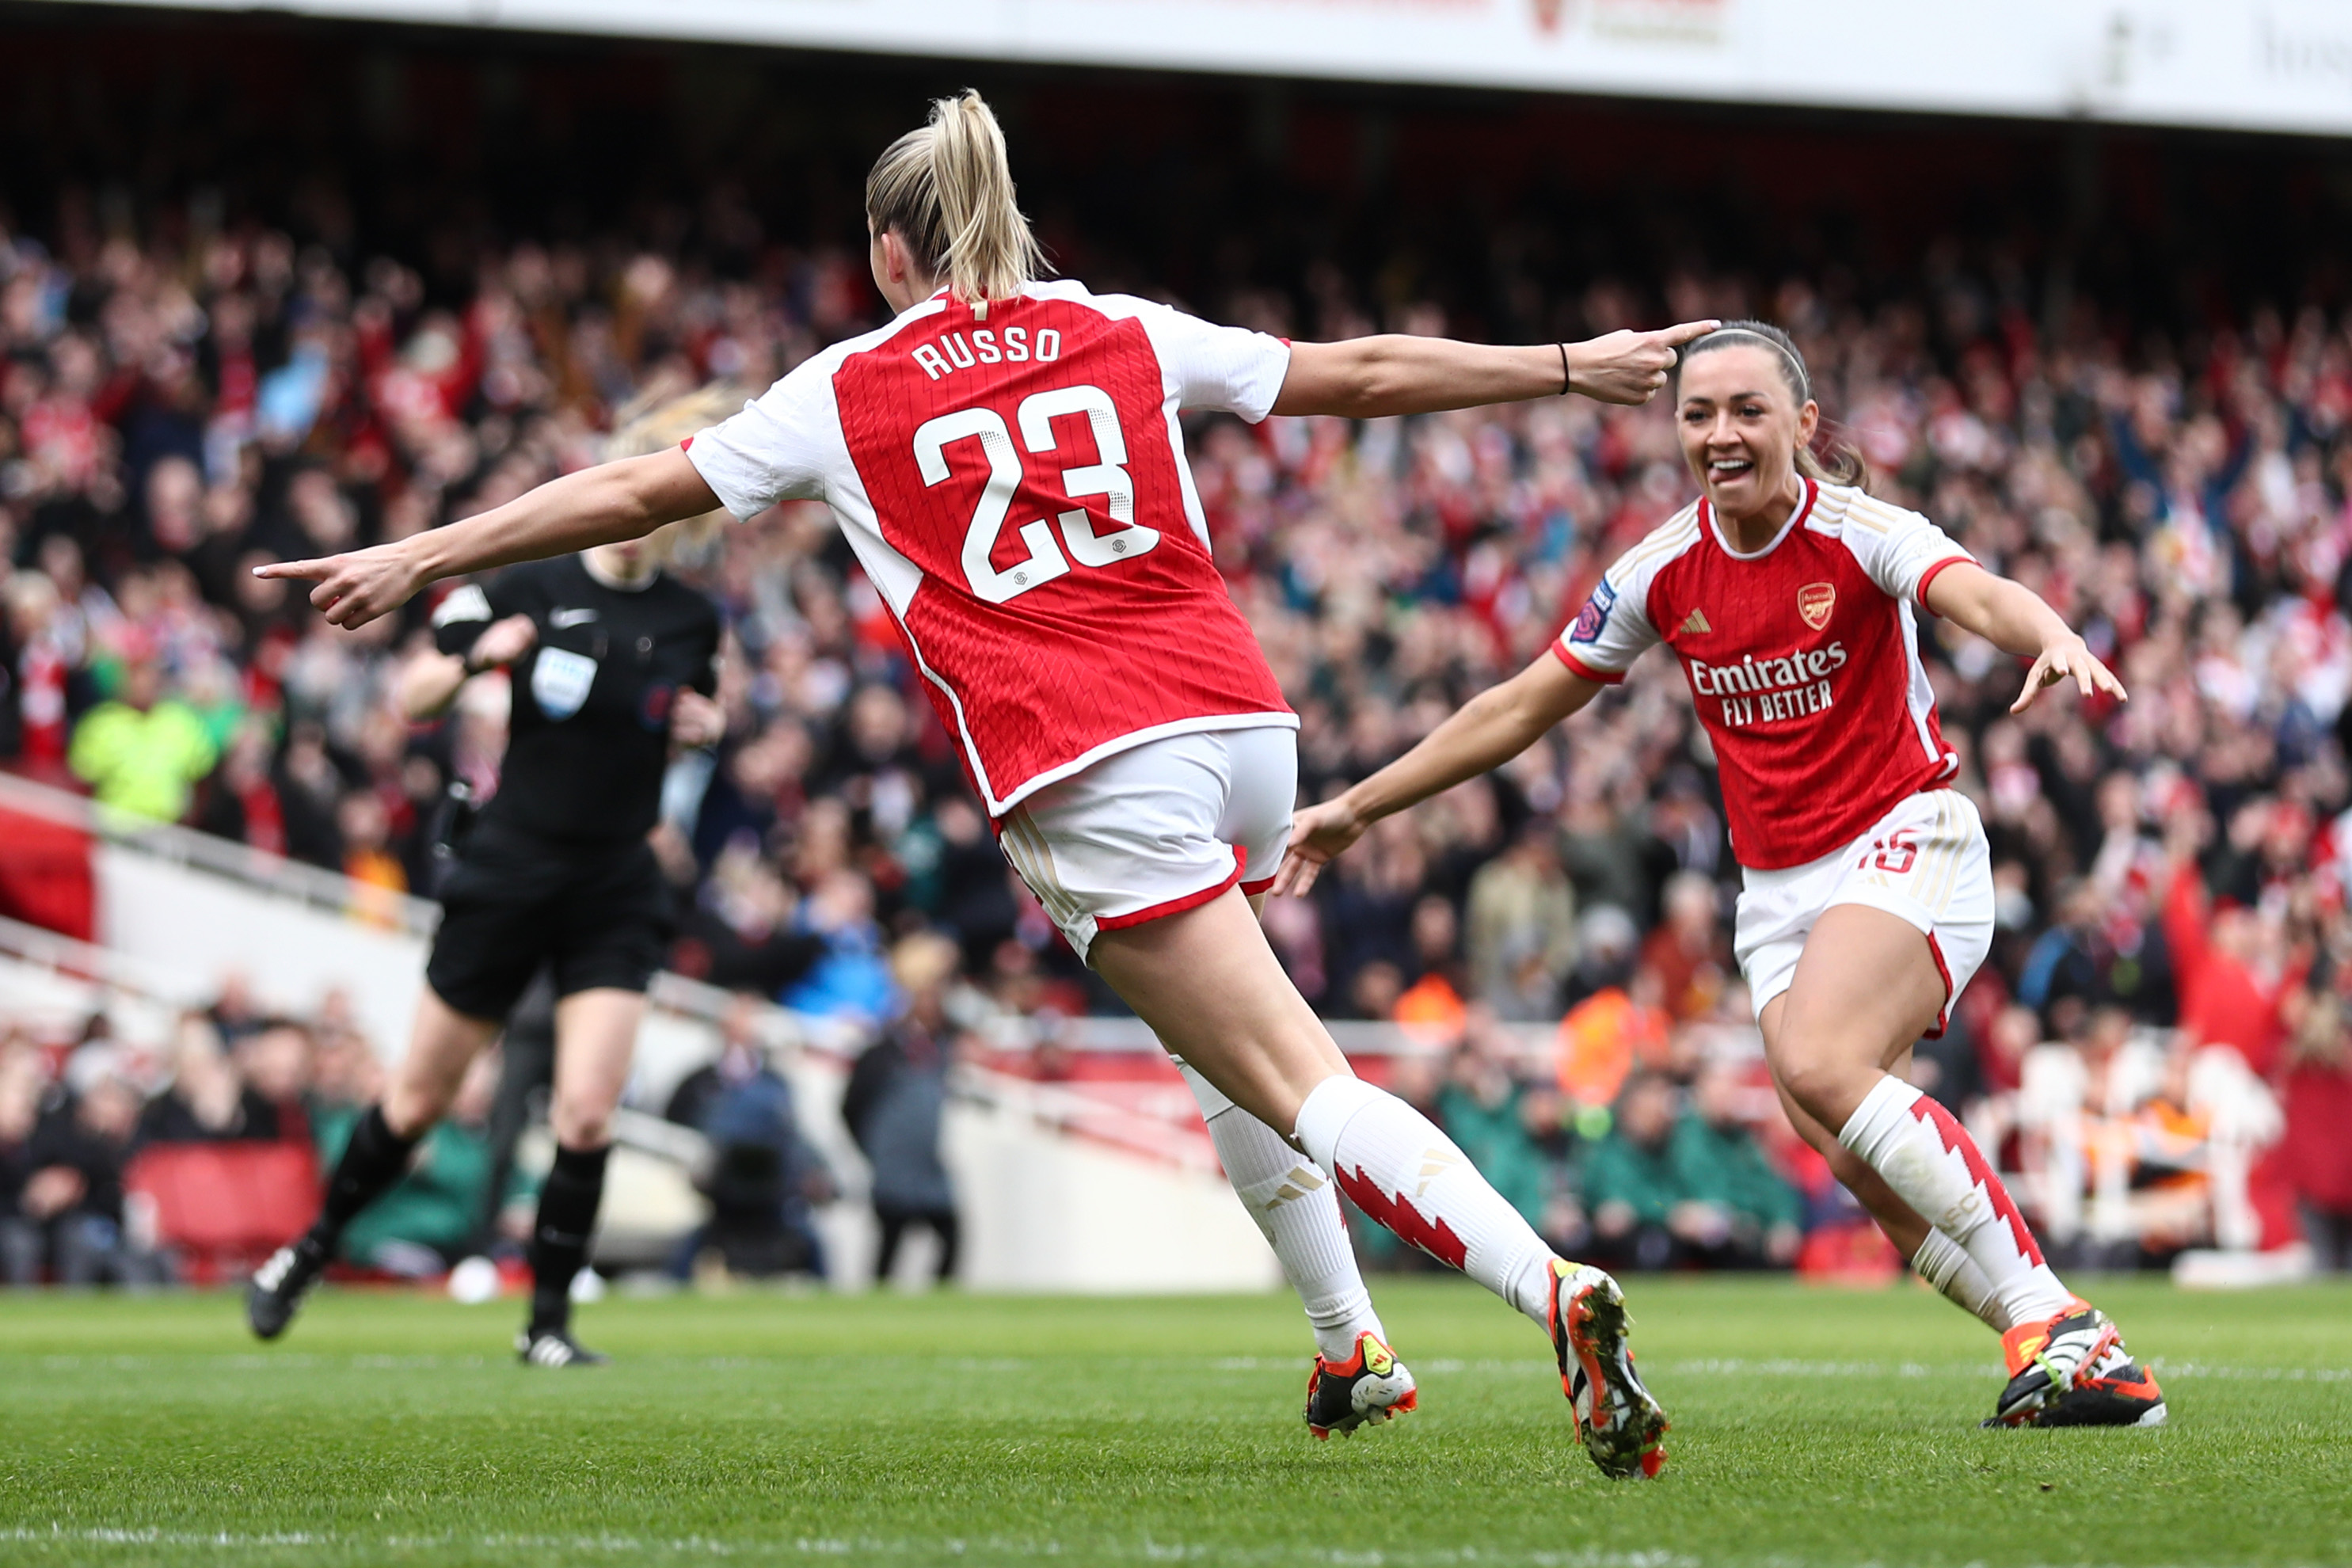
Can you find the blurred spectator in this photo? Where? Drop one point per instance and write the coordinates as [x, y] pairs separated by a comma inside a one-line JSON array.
[[1688, 952], [763, 1174], [69, 1210], [1640, 1216], [208, 1100], [1738, 1209], [895, 1099], [1520, 928], [1499, 1121], [2319, 1141], [144, 752]]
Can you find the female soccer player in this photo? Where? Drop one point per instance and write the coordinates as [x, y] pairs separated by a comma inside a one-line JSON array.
[[613, 665], [1868, 899], [1005, 460]]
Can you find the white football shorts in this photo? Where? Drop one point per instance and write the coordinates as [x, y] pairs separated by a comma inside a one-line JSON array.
[[1926, 862], [1156, 829]]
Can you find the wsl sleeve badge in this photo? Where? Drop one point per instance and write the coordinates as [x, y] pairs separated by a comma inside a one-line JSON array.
[[560, 680], [1594, 617]]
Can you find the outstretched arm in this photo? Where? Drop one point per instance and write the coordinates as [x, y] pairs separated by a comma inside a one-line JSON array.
[[2013, 618], [1486, 731], [626, 500], [1367, 378]]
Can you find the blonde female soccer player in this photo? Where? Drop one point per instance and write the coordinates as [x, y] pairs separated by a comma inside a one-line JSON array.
[[1792, 602], [1004, 457]]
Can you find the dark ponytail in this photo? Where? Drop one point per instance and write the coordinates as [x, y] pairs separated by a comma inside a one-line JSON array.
[[1831, 460]]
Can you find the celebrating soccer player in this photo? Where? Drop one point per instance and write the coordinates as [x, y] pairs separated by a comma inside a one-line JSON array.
[[1004, 457], [1790, 598]]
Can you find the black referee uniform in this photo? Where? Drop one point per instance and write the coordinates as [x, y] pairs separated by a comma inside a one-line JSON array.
[[556, 869]]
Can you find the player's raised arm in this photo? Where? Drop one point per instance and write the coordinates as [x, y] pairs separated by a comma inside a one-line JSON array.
[[612, 502], [1486, 732], [2016, 620], [1392, 373]]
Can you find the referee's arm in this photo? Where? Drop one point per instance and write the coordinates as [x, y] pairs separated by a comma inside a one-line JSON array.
[[428, 683]]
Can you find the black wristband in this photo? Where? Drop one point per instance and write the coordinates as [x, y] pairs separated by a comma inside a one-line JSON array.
[[1564, 377]]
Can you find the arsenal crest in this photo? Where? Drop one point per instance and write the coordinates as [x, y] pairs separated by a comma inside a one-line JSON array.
[[1814, 602]]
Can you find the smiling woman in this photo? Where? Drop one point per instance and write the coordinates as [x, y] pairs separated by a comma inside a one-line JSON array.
[[1842, 464], [1792, 599]]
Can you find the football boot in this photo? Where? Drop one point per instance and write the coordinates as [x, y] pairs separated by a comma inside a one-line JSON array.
[[1372, 1386], [554, 1347], [276, 1292], [1618, 1419], [2056, 1357]]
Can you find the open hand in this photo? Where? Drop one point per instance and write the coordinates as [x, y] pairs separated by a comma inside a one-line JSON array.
[[2068, 658], [355, 588], [1317, 832], [1629, 368]]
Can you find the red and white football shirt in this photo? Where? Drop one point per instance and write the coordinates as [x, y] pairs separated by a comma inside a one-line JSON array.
[[1803, 658], [1014, 486]]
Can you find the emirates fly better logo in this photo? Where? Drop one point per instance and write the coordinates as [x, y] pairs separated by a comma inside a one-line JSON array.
[[1814, 602]]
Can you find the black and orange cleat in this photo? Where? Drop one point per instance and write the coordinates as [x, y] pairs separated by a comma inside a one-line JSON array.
[[1619, 1420], [2119, 1392], [1372, 1386], [2072, 1370]]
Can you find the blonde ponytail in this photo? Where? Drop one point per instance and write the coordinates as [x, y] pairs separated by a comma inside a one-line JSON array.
[[947, 189]]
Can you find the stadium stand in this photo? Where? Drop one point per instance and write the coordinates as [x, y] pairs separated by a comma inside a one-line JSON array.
[[2144, 420]]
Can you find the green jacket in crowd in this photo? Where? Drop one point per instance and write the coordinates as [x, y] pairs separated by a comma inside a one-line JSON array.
[[1724, 1165], [1495, 1138], [1697, 1163], [1618, 1170]]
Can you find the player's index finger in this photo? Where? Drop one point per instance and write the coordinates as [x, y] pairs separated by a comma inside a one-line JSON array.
[[1686, 332], [313, 570]]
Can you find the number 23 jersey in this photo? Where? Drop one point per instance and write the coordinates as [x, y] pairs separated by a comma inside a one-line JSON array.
[[1803, 660], [1013, 484]]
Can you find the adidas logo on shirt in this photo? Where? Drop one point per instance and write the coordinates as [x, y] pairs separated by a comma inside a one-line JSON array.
[[1696, 622]]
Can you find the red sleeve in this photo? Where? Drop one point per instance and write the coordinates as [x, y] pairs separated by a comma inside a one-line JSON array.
[[1577, 666], [1929, 574]]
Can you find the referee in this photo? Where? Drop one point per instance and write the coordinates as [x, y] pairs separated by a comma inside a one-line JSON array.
[[613, 665]]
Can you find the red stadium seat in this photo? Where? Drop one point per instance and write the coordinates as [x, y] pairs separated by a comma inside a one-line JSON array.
[[225, 1206]]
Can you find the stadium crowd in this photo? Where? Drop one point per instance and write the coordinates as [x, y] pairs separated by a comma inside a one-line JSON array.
[[2173, 872]]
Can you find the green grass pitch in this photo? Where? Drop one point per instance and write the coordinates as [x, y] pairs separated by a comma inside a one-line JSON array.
[[1809, 1427]]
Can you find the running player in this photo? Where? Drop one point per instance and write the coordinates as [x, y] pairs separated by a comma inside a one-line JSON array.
[[613, 665], [1005, 460], [1790, 599]]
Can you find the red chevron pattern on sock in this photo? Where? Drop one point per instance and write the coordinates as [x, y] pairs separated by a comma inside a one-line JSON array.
[[1958, 1141], [1433, 1236]]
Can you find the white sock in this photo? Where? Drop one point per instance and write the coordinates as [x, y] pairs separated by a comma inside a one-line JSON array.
[[1395, 1165], [1941, 1263], [1297, 1209], [1933, 1164]]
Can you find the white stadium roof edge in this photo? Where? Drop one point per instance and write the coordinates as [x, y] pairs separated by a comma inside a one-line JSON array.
[[2248, 65]]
